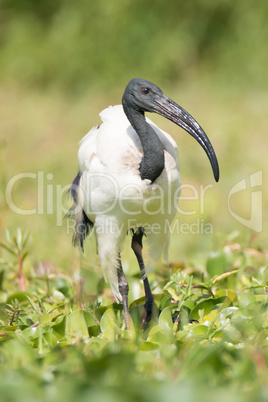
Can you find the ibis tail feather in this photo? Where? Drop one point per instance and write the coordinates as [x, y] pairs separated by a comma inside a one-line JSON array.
[[83, 225]]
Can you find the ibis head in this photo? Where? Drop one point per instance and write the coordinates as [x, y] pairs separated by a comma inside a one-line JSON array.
[[143, 96]]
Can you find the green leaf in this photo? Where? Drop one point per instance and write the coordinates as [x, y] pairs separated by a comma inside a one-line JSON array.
[[227, 292], [148, 346], [173, 294], [20, 296], [4, 246], [218, 262], [8, 237], [165, 302], [205, 305], [101, 309], [165, 320], [141, 301], [208, 305], [24, 255], [77, 323], [189, 288], [31, 333], [189, 304], [224, 275], [246, 298], [94, 330], [89, 318], [42, 307], [26, 238], [137, 302], [198, 332], [55, 307], [96, 344], [34, 305], [19, 238], [58, 296], [60, 325], [156, 335], [108, 321]]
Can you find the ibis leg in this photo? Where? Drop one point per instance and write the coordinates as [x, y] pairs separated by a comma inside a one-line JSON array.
[[137, 248], [123, 289]]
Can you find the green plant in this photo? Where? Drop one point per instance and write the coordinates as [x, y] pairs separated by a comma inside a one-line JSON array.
[[215, 344], [17, 247]]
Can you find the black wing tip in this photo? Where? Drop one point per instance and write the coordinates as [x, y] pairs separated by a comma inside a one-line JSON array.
[[74, 187], [82, 230], [83, 225]]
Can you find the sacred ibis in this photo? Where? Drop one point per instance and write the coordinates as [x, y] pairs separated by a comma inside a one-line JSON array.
[[129, 182]]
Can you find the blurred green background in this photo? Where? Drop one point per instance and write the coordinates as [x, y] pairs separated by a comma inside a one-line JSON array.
[[62, 62]]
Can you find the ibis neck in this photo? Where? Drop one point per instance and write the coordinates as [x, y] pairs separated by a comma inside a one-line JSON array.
[[153, 162]]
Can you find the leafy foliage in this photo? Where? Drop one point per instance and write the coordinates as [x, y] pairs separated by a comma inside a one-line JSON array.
[[55, 347]]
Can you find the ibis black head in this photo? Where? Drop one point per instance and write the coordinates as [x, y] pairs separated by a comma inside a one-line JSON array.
[[143, 96]]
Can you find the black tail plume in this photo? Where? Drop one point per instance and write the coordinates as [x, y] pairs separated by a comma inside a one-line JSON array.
[[83, 225]]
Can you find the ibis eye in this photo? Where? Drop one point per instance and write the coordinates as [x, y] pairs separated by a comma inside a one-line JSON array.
[[145, 90]]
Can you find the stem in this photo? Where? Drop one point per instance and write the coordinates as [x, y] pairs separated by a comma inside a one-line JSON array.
[[197, 287], [80, 293], [15, 313], [48, 284], [21, 277]]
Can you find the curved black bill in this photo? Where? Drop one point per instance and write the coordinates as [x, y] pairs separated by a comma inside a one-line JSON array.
[[169, 109]]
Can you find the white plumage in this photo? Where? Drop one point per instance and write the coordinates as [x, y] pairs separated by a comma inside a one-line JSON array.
[[129, 182], [116, 199]]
